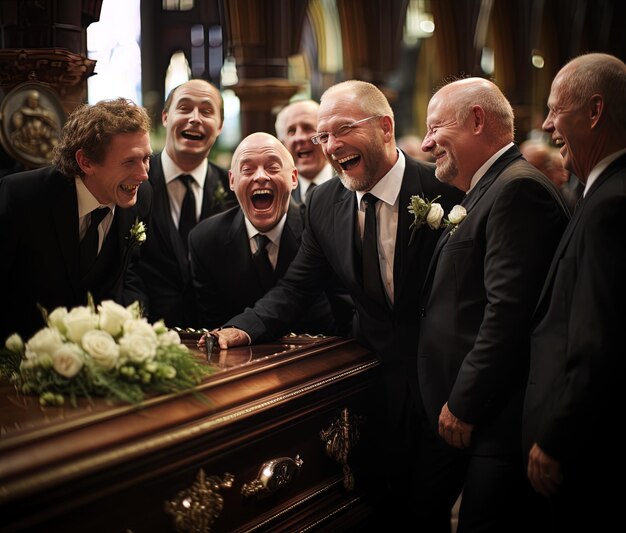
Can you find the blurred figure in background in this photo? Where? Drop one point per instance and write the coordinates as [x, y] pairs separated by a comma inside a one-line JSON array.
[[549, 161], [295, 124], [412, 145]]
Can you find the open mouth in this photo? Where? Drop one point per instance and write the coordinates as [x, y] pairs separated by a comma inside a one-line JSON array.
[[304, 154], [129, 189], [192, 135], [349, 162], [262, 199]]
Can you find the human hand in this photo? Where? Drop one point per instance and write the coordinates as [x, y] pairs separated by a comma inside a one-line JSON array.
[[225, 338], [453, 430], [544, 472]]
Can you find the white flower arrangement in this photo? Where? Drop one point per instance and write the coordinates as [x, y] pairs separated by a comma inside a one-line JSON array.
[[431, 213], [111, 352]]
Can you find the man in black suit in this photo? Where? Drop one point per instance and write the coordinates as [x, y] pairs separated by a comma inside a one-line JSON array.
[[481, 289], [100, 162], [262, 176], [193, 119], [574, 399], [356, 131], [295, 124]]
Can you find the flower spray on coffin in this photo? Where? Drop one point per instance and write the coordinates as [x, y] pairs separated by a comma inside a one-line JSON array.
[[109, 352]]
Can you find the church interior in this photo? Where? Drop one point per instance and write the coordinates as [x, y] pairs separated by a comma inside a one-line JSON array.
[[277, 439]]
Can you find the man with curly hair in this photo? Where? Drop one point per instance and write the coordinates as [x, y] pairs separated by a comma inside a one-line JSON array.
[[65, 230]]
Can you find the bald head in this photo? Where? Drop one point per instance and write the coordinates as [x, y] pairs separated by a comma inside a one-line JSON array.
[[295, 124], [262, 175], [467, 121], [264, 142]]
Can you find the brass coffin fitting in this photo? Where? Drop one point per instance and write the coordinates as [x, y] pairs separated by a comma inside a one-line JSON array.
[[195, 509], [272, 476]]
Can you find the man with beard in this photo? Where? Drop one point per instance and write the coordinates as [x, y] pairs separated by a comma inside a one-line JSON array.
[[481, 290], [357, 133]]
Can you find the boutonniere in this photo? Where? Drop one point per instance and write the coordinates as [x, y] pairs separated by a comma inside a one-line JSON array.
[[431, 213], [455, 217], [219, 195], [425, 212], [137, 232]]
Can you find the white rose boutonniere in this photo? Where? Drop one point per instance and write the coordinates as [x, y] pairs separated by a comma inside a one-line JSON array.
[[425, 212], [110, 351], [137, 232], [455, 217]]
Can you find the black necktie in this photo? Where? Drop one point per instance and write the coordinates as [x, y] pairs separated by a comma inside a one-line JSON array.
[[89, 245], [263, 263], [372, 282], [188, 209], [306, 195]]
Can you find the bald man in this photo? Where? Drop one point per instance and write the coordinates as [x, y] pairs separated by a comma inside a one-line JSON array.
[[295, 124], [262, 176]]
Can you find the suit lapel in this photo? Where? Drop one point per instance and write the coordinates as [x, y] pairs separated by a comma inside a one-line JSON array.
[[569, 230], [290, 239], [65, 215], [404, 253], [344, 226], [210, 184], [470, 200], [162, 215]]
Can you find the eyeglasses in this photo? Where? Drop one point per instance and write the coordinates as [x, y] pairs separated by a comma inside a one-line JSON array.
[[322, 138]]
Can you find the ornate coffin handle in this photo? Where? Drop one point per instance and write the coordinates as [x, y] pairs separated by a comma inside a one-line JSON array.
[[273, 475], [340, 437], [195, 509]]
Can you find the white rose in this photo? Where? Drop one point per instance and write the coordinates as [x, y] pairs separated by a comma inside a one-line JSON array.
[[45, 342], [14, 343], [56, 319], [169, 338], [141, 327], [137, 347], [101, 346], [78, 321], [434, 216], [159, 327], [134, 309], [113, 316], [457, 213], [68, 360]]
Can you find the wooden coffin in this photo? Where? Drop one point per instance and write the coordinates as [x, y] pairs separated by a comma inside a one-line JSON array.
[[272, 441]]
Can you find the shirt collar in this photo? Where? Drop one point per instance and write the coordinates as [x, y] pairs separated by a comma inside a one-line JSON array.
[[388, 187], [273, 234], [86, 201], [600, 168], [171, 170], [487, 165], [323, 175]]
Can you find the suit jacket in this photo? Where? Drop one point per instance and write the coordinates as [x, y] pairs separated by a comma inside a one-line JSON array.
[[39, 246], [225, 287], [482, 287], [577, 363], [329, 247], [164, 262]]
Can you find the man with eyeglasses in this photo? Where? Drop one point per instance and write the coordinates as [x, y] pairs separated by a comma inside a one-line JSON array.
[[356, 131]]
